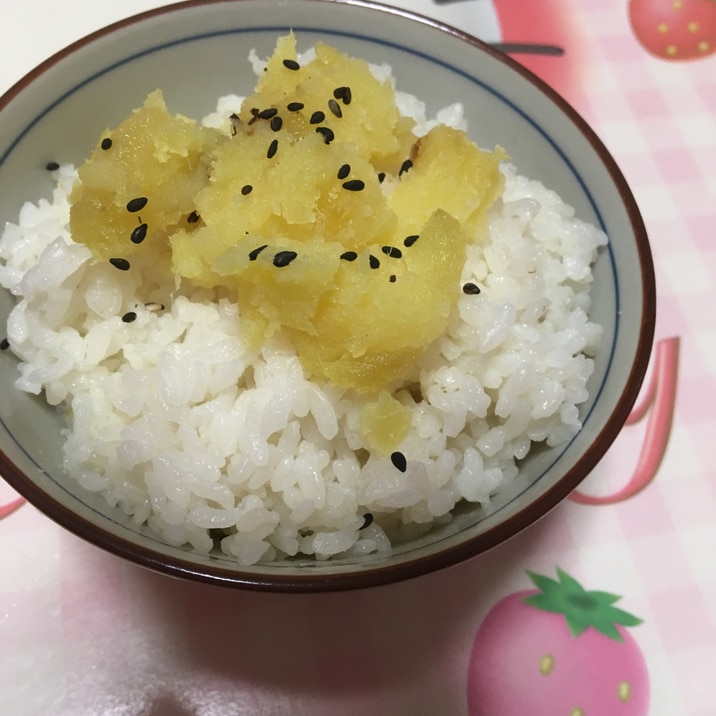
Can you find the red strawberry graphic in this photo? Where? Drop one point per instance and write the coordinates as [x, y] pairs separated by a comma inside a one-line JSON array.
[[559, 651], [675, 29]]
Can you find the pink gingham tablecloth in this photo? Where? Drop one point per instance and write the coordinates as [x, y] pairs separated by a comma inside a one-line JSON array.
[[84, 633]]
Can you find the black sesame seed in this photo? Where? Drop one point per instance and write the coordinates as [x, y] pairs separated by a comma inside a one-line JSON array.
[[335, 108], [392, 278], [317, 117], [121, 264], [284, 258], [52, 166], [399, 461], [472, 289], [343, 93], [267, 113], [407, 165], [246, 189], [4, 344], [381, 177], [392, 251], [353, 185], [327, 134], [367, 521], [273, 147], [344, 171], [253, 255], [235, 122], [106, 143], [139, 234], [136, 204], [129, 317], [349, 256], [291, 65], [373, 261], [193, 217], [276, 123], [294, 106], [410, 240]]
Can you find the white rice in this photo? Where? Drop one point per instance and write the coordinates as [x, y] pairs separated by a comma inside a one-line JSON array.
[[181, 426]]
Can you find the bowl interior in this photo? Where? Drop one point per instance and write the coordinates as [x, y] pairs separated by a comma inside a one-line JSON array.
[[196, 52]]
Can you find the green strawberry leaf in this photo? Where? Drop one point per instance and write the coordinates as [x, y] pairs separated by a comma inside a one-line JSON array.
[[545, 584], [578, 622], [606, 597], [569, 583], [626, 619], [581, 609], [608, 628]]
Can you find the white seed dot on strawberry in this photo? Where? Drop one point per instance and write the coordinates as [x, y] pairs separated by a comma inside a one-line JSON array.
[[546, 664], [624, 691]]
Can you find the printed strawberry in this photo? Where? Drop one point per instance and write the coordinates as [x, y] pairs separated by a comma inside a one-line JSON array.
[[558, 651], [675, 29]]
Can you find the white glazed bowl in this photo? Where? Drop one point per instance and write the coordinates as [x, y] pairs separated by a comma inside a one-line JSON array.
[[196, 52]]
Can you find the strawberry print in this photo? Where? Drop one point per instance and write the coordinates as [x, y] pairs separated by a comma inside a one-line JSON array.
[[557, 651], [675, 29]]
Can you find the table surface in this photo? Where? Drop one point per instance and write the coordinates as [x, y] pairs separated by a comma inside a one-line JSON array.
[[83, 632]]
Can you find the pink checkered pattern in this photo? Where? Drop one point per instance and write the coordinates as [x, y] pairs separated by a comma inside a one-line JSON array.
[[83, 633], [658, 120]]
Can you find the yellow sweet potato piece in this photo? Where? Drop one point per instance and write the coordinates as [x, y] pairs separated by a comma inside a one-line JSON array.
[[140, 182]]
